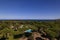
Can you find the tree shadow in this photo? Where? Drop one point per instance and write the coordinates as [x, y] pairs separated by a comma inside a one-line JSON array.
[[18, 36], [3, 38], [38, 38], [58, 38], [27, 34], [46, 36]]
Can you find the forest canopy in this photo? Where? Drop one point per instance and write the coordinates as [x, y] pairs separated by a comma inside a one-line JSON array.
[[14, 27]]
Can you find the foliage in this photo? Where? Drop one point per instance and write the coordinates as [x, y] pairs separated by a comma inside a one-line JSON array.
[[52, 27]]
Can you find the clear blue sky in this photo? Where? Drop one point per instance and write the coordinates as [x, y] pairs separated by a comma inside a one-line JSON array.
[[29, 9]]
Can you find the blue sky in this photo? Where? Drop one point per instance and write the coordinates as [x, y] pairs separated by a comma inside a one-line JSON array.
[[29, 9]]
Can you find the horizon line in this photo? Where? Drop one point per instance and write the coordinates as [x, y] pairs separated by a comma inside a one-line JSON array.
[[30, 19]]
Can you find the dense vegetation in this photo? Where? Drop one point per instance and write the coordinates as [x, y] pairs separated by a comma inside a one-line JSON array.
[[12, 27]]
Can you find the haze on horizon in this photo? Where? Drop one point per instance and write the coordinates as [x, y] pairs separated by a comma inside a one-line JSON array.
[[29, 9]]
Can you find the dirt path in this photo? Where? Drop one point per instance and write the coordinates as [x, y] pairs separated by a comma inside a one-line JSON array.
[[23, 38], [35, 35]]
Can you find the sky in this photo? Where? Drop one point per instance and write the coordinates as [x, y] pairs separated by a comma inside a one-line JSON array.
[[29, 9]]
